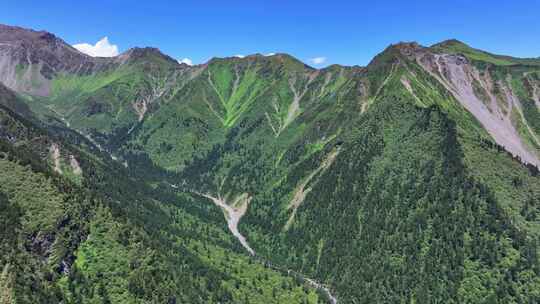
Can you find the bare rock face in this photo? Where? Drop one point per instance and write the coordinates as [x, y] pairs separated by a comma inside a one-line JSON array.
[[408, 49], [30, 59], [475, 92], [492, 102]]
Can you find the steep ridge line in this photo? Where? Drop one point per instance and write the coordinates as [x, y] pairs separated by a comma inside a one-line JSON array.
[[370, 101]]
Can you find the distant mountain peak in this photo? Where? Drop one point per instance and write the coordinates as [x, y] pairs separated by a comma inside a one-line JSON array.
[[451, 42], [145, 53], [393, 52], [406, 45], [30, 59], [285, 60], [18, 36]]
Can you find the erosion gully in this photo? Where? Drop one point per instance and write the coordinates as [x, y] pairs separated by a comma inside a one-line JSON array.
[[233, 214]]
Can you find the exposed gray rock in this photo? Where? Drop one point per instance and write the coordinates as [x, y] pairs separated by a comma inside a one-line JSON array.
[[30, 60]]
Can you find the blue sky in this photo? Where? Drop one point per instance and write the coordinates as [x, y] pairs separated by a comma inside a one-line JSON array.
[[343, 32]]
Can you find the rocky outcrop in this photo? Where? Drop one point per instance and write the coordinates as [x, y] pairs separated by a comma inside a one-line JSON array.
[[55, 156], [30, 60], [474, 90]]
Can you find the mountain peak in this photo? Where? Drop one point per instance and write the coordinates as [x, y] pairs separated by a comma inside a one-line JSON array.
[[406, 45], [18, 36], [395, 51], [407, 48], [451, 43], [288, 60], [282, 59], [36, 56], [452, 46], [143, 54]]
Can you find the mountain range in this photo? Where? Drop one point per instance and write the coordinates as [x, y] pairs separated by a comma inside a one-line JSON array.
[[139, 179]]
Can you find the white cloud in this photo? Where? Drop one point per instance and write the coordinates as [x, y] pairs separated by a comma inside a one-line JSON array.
[[186, 61], [102, 48], [239, 56], [270, 54], [317, 60]]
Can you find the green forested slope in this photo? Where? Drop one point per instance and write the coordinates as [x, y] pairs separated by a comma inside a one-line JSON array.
[[105, 242], [399, 204], [388, 183]]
